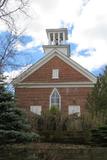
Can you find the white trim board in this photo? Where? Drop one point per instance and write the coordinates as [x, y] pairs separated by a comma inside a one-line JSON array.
[[54, 85]]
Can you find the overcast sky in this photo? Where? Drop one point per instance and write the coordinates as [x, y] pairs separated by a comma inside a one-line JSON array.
[[86, 21]]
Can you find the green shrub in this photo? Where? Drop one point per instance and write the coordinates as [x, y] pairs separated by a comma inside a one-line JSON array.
[[12, 136], [99, 136], [54, 110]]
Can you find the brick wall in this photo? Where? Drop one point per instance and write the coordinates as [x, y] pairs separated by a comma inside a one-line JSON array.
[[69, 96], [66, 73], [40, 96]]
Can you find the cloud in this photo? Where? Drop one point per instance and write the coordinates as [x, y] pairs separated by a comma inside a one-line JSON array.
[[13, 74], [46, 14], [85, 18], [46, 5], [90, 31], [50, 14]]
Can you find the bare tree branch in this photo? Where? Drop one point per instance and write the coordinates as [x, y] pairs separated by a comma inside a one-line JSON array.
[[9, 43], [7, 13], [3, 2]]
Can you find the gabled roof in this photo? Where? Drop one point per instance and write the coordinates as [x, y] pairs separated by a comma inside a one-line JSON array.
[[48, 57]]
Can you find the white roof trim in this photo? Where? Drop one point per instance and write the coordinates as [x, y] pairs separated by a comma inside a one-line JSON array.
[[48, 57]]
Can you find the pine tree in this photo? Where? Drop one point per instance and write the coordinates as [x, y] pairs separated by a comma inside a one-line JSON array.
[[14, 127]]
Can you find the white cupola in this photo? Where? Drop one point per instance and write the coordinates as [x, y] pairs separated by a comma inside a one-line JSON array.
[[57, 39]]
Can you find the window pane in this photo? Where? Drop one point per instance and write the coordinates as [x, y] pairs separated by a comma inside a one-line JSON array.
[[55, 99], [55, 73], [72, 109], [36, 109]]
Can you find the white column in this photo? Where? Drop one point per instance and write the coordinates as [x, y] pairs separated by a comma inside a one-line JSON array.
[[63, 37], [49, 41], [59, 42], [53, 38]]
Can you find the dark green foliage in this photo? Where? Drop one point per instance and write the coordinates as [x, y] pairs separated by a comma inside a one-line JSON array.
[[97, 100], [5, 96], [99, 136], [11, 118], [13, 136], [14, 125], [97, 105], [54, 110]]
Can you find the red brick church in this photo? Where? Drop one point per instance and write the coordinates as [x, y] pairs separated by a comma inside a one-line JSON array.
[[54, 81]]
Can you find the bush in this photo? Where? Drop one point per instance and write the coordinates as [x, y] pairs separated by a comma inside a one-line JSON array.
[[99, 136], [53, 126], [12, 136]]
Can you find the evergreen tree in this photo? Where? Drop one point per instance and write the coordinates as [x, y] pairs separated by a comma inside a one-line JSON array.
[[97, 103], [14, 126], [97, 100]]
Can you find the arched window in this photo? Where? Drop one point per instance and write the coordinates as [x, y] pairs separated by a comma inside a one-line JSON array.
[[55, 99]]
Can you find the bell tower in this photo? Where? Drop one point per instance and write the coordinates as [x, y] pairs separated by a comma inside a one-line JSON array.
[[57, 39]]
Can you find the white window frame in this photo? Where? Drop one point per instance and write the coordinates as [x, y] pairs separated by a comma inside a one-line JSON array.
[[73, 109], [36, 109], [55, 73], [55, 90]]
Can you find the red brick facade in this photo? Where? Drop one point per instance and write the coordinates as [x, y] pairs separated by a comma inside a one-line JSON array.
[[69, 96], [66, 73], [77, 95]]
